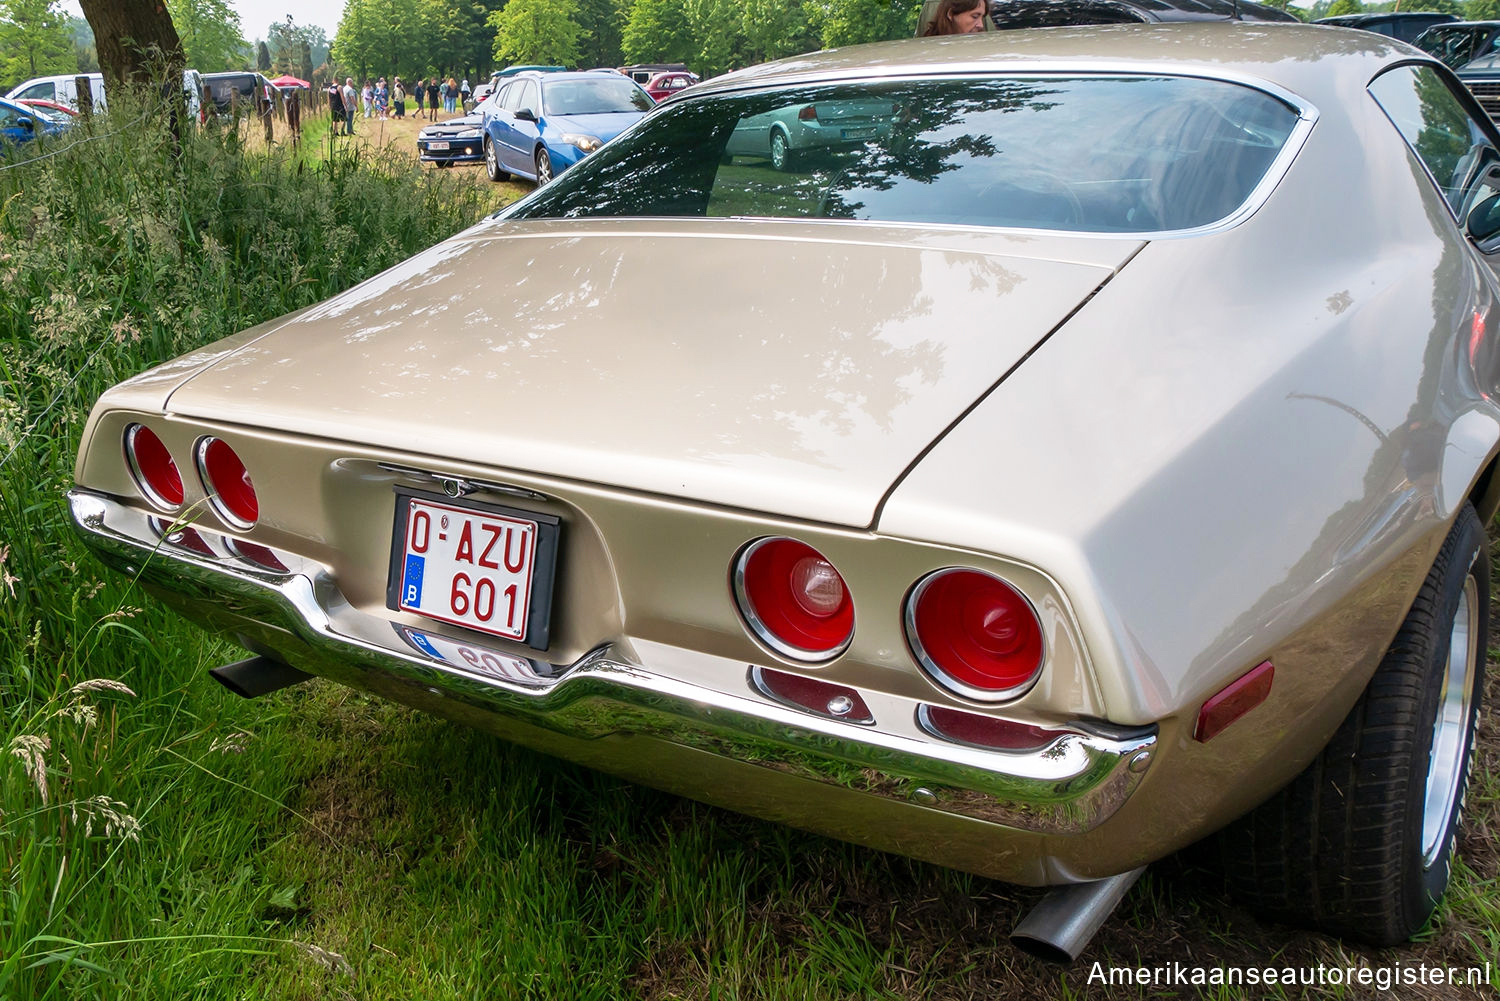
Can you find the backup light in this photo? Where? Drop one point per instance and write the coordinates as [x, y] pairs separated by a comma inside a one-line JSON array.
[[793, 599], [989, 732], [974, 634], [257, 554], [227, 483], [152, 467]]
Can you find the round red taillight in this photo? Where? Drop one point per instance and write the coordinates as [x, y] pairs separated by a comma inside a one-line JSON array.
[[155, 473], [793, 599], [974, 634], [227, 483]]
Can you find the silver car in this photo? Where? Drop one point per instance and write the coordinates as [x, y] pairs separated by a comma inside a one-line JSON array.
[[786, 135], [1093, 458]]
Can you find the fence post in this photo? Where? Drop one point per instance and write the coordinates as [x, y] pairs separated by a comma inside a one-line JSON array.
[[294, 114], [267, 113]]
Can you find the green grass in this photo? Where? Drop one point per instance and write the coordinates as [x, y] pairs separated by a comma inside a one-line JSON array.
[[318, 843]]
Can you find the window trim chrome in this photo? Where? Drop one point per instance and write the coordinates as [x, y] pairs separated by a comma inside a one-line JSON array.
[[1307, 116]]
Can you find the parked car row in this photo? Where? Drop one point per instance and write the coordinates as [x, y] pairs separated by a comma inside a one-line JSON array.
[[62, 89]]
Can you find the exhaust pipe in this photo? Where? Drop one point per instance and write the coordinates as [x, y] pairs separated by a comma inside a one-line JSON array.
[[257, 676], [1060, 926]]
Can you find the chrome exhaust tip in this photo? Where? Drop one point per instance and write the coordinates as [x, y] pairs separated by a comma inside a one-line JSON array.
[[1063, 922]]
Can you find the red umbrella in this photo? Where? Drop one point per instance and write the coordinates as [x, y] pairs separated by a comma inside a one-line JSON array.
[[287, 80]]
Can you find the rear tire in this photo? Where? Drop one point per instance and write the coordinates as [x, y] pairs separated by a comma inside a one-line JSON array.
[[492, 162], [1361, 844], [782, 157]]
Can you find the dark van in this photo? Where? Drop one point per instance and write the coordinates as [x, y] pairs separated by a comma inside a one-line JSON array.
[[227, 89]]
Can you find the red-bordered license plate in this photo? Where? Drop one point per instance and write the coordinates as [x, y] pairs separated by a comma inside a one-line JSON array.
[[475, 565]]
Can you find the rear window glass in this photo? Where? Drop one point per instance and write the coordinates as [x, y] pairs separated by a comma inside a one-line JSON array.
[[1080, 154]]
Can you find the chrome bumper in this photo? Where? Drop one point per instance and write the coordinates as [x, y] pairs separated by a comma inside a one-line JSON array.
[[624, 688]]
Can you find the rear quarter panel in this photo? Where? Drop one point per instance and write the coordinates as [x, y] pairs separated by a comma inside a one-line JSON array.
[[1248, 446]]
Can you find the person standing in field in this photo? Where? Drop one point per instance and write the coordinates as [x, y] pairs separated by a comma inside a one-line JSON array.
[[463, 94], [335, 107], [452, 94], [368, 93], [398, 98], [418, 92], [350, 96], [432, 98]]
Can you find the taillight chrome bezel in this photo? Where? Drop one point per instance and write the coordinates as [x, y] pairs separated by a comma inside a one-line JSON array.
[[941, 677], [153, 496], [215, 498], [758, 627]]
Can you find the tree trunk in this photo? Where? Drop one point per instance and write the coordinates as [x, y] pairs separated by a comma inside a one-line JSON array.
[[136, 41]]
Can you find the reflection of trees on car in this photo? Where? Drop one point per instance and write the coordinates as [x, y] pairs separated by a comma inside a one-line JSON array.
[[916, 152]]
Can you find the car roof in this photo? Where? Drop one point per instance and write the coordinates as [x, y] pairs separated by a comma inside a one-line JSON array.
[[565, 75], [1011, 14], [1464, 24], [1354, 20], [1290, 56]]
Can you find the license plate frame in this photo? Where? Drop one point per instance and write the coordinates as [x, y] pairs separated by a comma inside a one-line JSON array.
[[536, 633], [441, 144]]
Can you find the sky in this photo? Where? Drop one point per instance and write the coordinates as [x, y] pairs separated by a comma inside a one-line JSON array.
[[256, 15]]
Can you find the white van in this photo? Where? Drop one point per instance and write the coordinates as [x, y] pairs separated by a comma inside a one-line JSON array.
[[62, 89]]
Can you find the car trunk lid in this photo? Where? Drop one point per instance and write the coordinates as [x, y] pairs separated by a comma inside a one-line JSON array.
[[792, 368]]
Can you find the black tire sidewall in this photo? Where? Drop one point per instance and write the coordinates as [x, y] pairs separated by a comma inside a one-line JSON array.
[[1468, 558]]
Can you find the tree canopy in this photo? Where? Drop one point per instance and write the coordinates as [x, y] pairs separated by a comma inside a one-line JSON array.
[[210, 33], [35, 40], [544, 32]]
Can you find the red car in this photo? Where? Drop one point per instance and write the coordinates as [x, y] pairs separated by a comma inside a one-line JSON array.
[[37, 102], [664, 85]]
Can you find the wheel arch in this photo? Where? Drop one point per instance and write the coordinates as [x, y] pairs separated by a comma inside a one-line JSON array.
[[1485, 493], [1475, 435]]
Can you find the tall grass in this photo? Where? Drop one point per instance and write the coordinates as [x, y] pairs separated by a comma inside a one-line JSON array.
[[120, 249], [162, 840]]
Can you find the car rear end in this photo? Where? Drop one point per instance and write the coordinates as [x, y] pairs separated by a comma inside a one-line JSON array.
[[563, 508]]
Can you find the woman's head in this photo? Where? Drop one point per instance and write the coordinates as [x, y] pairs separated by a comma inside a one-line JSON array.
[[958, 17]]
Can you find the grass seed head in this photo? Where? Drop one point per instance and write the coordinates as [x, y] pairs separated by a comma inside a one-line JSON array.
[[31, 749], [109, 814]]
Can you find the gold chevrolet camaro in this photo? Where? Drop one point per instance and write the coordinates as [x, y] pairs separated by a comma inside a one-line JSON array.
[[1091, 455]]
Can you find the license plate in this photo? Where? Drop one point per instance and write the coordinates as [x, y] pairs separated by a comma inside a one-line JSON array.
[[474, 659], [483, 567], [858, 133], [437, 145]]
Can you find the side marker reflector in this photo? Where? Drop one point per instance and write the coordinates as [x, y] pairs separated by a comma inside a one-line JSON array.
[[1233, 701]]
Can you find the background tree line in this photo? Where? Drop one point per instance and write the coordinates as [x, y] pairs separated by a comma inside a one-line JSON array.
[[468, 38]]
